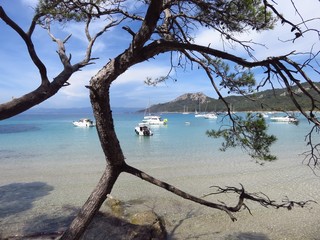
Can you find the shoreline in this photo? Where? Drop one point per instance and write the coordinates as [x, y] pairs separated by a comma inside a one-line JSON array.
[[44, 182], [64, 191]]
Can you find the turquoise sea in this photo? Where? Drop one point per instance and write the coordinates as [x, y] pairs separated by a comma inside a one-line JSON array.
[[43, 150], [50, 137]]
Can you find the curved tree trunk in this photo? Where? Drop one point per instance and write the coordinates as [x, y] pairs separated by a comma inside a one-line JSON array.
[[100, 101]]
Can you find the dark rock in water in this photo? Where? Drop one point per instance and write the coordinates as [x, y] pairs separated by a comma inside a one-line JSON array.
[[116, 222], [116, 206], [149, 218], [105, 226]]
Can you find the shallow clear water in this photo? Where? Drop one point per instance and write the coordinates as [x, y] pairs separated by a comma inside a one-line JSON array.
[[61, 163], [45, 138]]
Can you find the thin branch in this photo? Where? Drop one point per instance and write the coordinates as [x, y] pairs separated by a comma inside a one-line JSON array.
[[260, 198], [176, 191], [283, 19]]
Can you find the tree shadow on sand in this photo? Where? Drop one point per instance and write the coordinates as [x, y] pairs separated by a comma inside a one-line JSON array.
[[104, 226], [19, 197], [50, 224], [247, 236]]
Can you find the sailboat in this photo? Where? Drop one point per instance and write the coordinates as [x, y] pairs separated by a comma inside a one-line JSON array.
[[150, 119], [199, 114], [184, 110]]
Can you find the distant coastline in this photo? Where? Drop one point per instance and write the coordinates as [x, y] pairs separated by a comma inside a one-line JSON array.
[[84, 110], [275, 100]]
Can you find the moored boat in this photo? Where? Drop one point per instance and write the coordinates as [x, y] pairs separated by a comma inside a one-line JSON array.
[[83, 122], [210, 116], [154, 120], [143, 130], [284, 119], [198, 115]]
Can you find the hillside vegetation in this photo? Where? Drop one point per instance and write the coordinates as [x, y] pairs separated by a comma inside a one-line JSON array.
[[269, 100]]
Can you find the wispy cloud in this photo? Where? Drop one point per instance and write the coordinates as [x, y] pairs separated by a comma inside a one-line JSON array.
[[129, 89], [32, 3], [274, 42], [139, 73]]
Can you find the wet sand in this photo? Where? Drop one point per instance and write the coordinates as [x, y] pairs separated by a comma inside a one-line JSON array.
[[43, 198]]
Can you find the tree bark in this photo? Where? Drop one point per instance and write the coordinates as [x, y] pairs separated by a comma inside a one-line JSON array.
[[99, 95], [92, 205]]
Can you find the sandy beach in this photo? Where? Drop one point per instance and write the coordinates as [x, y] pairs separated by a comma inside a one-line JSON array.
[[43, 198], [47, 174]]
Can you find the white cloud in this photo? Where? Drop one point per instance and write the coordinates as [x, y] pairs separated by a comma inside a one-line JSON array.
[[139, 73], [134, 76], [273, 42], [31, 3], [209, 37], [78, 81], [129, 88]]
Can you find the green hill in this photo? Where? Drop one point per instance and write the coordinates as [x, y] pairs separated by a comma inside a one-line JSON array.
[[269, 100]]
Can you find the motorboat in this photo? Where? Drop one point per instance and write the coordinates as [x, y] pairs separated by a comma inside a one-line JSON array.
[[284, 119], [83, 122], [143, 130], [154, 120], [198, 115], [210, 116]]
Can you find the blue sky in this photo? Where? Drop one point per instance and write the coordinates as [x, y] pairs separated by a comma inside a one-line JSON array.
[[18, 76]]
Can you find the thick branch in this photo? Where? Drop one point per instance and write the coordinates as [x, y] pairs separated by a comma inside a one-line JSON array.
[[47, 89], [162, 46], [149, 24], [27, 39], [27, 101]]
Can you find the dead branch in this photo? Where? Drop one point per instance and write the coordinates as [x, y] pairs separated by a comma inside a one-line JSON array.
[[261, 198]]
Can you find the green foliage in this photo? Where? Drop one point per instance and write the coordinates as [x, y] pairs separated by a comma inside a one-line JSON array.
[[66, 10], [237, 15], [237, 81], [249, 133], [225, 15]]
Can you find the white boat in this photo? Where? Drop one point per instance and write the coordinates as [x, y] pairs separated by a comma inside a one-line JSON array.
[[200, 114], [83, 122], [184, 110], [284, 119], [143, 130], [210, 116], [154, 120], [197, 115]]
